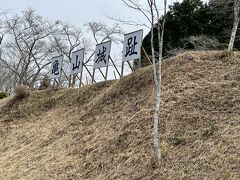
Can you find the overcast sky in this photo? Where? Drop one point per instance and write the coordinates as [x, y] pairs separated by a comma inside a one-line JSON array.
[[78, 12]]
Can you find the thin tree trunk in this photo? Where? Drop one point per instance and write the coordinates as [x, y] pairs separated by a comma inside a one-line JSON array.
[[235, 25], [155, 71], [70, 84], [159, 84], [233, 35], [152, 43], [74, 79]]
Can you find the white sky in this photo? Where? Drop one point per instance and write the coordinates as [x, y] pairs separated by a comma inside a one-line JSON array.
[[78, 12]]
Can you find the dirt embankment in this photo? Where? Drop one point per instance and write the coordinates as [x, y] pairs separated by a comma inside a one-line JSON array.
[[104, 131]]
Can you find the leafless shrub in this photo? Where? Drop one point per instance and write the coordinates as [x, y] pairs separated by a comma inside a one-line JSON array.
[[201, 42]]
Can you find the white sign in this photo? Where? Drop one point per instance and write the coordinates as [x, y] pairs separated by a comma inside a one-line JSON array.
[[132, 45], [56, 67], [102, 54], [77, 62]]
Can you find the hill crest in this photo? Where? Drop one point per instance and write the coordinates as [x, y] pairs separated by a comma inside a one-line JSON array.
[[104, 131]]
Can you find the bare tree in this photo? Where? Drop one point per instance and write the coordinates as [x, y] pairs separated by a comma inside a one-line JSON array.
[[5, 74], [26, 50], [160, 27], [66, 39], [6, 80], [152, 14], [235, 25], [101, 32], [2, 29]]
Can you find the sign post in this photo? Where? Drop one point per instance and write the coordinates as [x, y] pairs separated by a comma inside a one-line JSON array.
[[132, 48], [56, 68], [115, 68], [101, 59], [76, 66]]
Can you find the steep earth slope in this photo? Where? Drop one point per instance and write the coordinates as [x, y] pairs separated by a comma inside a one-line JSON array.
[[104, 131]]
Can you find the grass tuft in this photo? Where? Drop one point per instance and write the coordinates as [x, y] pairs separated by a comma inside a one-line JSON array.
[[21, 91]]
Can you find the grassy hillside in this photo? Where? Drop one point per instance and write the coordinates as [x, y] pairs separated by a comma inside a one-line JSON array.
[[104, 131]]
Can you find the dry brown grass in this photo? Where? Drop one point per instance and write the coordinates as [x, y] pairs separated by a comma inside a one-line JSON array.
[[106, 132], [21, 91]]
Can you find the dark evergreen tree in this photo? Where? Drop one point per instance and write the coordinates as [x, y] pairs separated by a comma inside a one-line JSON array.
[[189, 18], [222, 21], [195, 18]]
